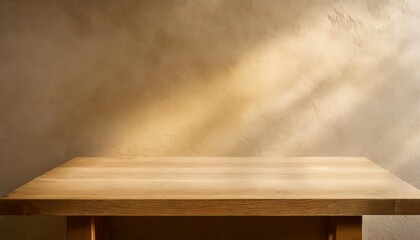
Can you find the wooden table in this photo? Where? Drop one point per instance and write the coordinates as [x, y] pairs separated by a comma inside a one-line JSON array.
[[306, 198]]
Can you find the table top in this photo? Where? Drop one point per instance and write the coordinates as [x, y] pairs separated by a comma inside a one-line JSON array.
[[216, 186]]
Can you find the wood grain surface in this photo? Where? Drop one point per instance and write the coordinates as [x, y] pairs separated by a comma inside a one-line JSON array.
[[214, 186]]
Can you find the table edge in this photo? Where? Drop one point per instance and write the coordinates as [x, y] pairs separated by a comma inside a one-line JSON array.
[[209, 207]]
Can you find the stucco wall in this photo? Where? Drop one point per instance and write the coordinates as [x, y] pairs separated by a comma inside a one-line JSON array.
[[208, 78]]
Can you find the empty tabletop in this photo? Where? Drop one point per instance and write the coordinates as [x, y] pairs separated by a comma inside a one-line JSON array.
[[214, 186]]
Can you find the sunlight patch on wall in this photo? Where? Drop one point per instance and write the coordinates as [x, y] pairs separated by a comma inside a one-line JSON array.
[[284, 93]]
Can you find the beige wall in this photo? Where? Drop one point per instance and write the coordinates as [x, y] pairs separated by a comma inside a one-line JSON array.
[[208, 78]]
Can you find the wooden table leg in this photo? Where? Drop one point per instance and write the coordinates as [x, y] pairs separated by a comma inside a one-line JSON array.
[[87, 228], [345, 228]]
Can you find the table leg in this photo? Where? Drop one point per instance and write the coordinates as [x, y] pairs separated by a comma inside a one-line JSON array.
[[345, 228], [87, 228]]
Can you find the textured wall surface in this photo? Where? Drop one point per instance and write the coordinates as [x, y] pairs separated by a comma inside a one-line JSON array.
[[208, 78]]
